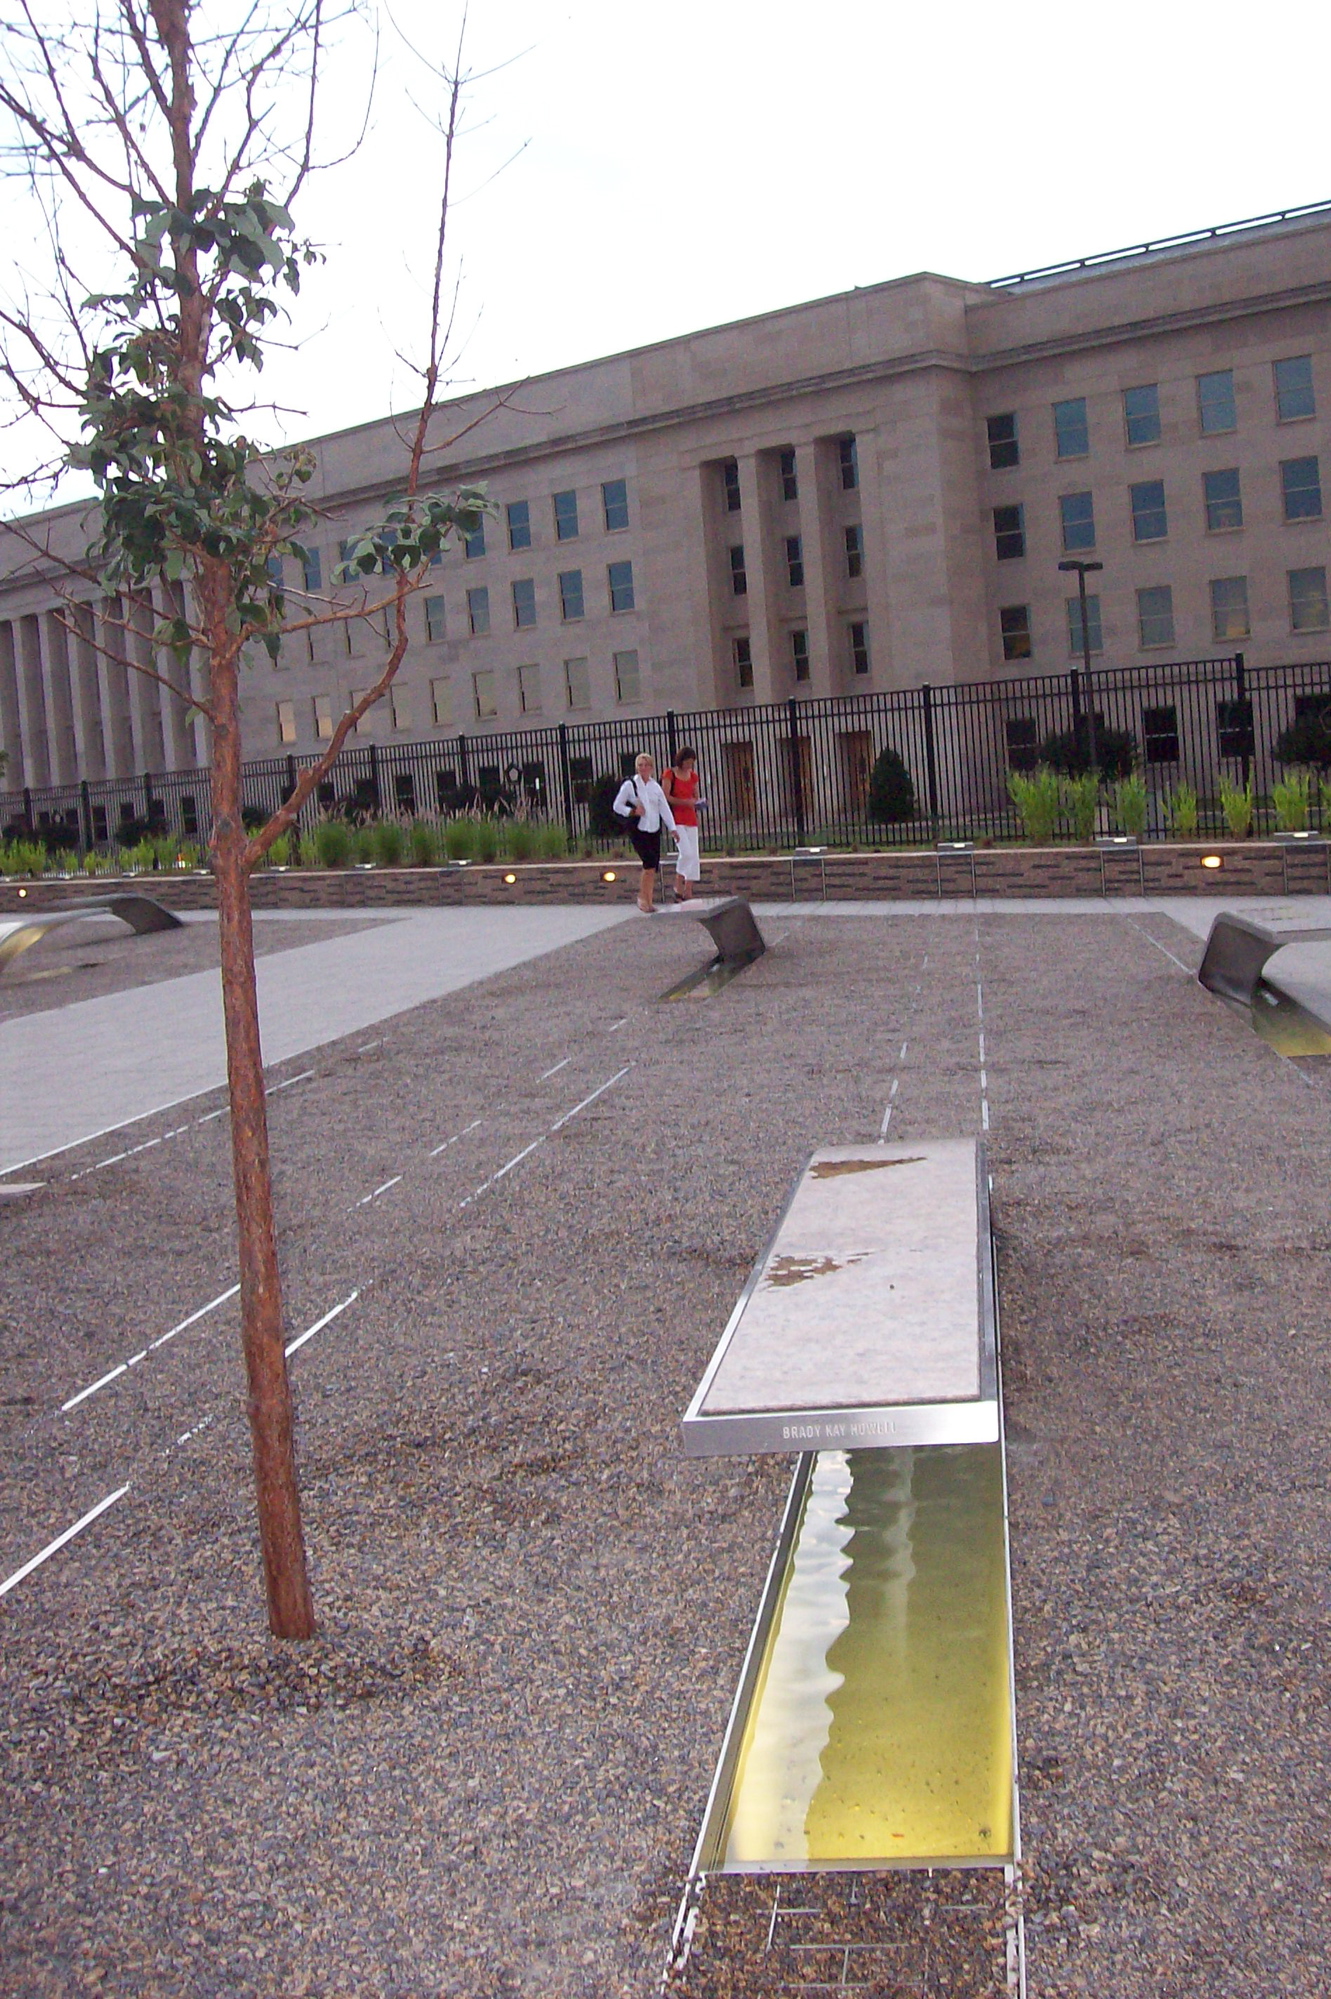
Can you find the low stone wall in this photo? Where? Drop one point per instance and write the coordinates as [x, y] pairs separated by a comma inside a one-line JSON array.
[[1248, 867]]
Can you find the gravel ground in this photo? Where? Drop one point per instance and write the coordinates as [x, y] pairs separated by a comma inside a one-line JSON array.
[[485, 1777]]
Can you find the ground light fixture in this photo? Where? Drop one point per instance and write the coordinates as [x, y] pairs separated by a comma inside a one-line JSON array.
[[1213, 861], [609, 875], [510, 879]]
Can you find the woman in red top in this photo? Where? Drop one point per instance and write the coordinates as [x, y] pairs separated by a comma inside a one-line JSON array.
[[680, 784]]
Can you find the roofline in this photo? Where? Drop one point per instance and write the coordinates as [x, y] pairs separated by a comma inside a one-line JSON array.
[[1190, 239]]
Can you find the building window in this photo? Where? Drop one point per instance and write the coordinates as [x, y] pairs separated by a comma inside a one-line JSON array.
[[323, 717], [441, 703], [1141, 414], [615, 504], [619, 576], [855, 550], [478, 611], [1307, 600], [1078, 516], [312, 564], [1215, 402], [790, 485], [286, 721], [1160, 735], [518, 513], [628, 686], [1149, 520], [859, 648], [1076, 648], [1014, 621], [570, 594], [730, 480], [1155, 616], [1023, 741], [739, 581], [399, 704], [795, 561], [1234, 729], [577, 684], [848, 458], [799, 654], [1301, 489], [529, 689], [1009, 532], [1229, 607], [743, 651], [566, 516], [1224, 499], [1294, 388], [473, 544], [483, 694], [366, 721], [524, 603], [1072, 437], [434, 619], [1004, 448]]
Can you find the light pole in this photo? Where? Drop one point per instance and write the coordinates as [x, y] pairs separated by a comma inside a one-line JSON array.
[[1083, 569]]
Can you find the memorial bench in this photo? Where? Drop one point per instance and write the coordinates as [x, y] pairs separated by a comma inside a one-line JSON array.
[[140, 912], [1238, 948]]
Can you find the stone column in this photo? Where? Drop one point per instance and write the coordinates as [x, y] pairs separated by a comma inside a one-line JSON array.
[[818, 537], [768, 685], [85, 688], [11, 728], [33, 731], [53, 641]]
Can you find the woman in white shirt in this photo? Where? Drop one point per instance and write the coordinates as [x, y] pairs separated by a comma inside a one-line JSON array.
[[642, 802]]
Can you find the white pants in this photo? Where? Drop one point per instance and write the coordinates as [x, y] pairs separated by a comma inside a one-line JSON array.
[[686, 865]]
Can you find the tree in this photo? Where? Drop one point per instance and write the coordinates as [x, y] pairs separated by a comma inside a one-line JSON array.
[[1069, 752], [891, 790], [152, 139]]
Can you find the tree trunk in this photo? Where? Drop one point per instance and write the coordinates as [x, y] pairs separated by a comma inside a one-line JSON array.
[[290, 1608]]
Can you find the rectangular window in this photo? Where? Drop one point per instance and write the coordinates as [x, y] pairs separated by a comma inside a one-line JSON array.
[[529, 689], [1301, 489], [441, 704], [1078, 516], [1141, 414], [1014, 622], [1009, 532], [1223, 497], [627, 683], [790, 485], [1155, 615], [577, 683], [518, 513], [1233, 727], [739, 580], [795, 561], [344, 552], [400, 704], [619, 576], [1149, 520], [286, 721], [799, 654], [434, 619], [730, 480], [366, 722], [1072, 437], [570, 594], [404, 792], [473, 544], [323, 717], [1294, 388], [1229, 607], [743, 650], [483, 694], [1004, 447], [312, 564], [848, 458], [478, 610], [859, 648], [1307, 600], [855, 551], [1076, 649], [1023, 741], [1215, 402], [566, 516], [1160, 735], [615, 504], [524, 603]]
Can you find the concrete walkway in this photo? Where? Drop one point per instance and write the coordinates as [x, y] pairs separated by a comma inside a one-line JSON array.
[[71, 1073]]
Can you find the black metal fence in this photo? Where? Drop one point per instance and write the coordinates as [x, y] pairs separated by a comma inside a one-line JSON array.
[[792, 772]]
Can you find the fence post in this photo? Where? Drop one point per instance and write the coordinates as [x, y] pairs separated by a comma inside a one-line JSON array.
[[27, 811], [930, 754], [566, 781], [796, 774], [374, 778], [464, 774], [291, 775], [672, 739], [85, 814], [1241, 690]]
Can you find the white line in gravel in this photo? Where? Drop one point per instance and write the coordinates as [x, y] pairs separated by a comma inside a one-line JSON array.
[[559, 1123], [615, 1025], [319, 1324], [54, 1547], [1159, 946], [555, 1071], [456, 1136], [181, 1129], [288, 1083], [134, 1359], [517, 1160], [365, 1199]]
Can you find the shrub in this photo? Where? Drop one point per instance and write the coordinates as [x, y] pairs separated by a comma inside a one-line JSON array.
[[388, 843], [332, 842], [487, 840], [363, 847], [603, 822], [1236, 805], [423, 843], [1037, 801], [1069, 751], [891, 792], [139, 858], [552, 843], [460, 839], [1181, 812], [1080, 798], [522, 840], [1131, 804], [1307, 741], [1292, 798], [279, 854], [22, 857]]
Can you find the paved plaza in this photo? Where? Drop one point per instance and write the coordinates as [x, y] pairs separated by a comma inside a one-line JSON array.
[[518, 1197]]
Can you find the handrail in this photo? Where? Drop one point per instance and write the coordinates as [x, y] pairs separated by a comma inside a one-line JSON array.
[[1101, 257]]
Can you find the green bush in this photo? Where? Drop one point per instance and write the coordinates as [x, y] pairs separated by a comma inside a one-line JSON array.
[[1080, 799], [279, 854], [1069, 752], [552, 843], [1236, 805], [522, 840], [1037, 801], [1181, 812], [891, 792], [1131, 804], [487, 840], [460, 839], [1292, 799], [364, 845], [139, 858], [332, 842], [22, 857], [388, 842], [423, 843]]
